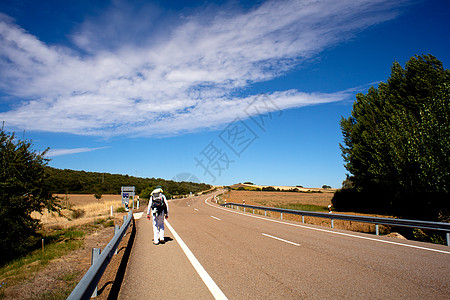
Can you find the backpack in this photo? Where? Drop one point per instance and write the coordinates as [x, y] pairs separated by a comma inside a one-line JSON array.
[[158, 203]]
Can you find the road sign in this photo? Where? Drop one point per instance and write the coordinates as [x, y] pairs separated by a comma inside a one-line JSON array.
[[127, 192]]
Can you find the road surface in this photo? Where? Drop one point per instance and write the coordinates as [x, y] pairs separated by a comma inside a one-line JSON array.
[[247, 256]]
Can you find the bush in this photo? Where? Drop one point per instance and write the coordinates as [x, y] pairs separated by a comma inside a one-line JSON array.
[[77, 213], [121, 209]]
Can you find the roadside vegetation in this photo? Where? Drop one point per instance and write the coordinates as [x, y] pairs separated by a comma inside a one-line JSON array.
[[56, 244]]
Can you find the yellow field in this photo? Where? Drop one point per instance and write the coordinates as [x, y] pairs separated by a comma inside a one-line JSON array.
[[88, 204], [273, 199]]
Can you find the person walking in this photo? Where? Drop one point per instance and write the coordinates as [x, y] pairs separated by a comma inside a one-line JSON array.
[[159, 209]]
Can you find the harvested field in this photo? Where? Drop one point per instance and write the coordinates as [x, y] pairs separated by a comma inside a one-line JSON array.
[[277, 198], [320, 201], [80, 209]]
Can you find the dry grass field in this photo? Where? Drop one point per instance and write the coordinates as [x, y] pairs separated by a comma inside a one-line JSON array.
[[80, 209], [312, 201]]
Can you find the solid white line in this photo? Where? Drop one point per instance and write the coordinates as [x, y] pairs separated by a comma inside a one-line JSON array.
[[215, 218], [329, 231], [277, 238], [210, 284]]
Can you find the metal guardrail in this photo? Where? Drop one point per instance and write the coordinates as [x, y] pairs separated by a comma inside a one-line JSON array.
[[440, 226], [88, 283]]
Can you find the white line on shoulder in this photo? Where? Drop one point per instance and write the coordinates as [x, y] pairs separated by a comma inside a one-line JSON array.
[[212, 286]]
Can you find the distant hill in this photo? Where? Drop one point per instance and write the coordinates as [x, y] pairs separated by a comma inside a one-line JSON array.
[[82, 182]]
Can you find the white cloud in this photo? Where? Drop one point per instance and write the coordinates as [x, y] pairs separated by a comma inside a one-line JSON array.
[[59, 152], [169, 80]]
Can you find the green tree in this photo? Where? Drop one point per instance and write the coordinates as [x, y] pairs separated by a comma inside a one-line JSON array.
[[22, 191], [397, 143]]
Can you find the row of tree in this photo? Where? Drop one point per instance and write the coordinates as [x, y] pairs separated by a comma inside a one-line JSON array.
[[397, 144], [81, 182]]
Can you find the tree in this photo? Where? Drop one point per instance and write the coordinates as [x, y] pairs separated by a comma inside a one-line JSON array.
[[23, 191], [397, 142]]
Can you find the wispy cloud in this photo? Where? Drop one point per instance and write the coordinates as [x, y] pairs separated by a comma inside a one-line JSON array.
[[59, 152], [173, 79]]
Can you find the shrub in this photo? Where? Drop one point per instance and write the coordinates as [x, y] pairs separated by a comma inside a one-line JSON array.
[[120, 209], [77, 213]]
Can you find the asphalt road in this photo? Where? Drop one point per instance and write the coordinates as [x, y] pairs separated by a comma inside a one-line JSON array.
[[253, 257]]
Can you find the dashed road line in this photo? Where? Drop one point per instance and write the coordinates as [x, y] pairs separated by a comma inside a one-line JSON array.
[[328, 231], [280, 239], [216, 218]]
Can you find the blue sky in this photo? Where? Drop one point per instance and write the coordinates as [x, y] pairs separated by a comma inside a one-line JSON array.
[[228, 91]]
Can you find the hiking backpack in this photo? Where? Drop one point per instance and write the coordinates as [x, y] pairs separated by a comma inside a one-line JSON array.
[[158, 203]]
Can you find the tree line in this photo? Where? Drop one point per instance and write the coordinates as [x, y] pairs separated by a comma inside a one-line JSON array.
[[66, 181]]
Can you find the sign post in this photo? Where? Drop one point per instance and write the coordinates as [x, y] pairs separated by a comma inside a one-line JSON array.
[[127, 192]]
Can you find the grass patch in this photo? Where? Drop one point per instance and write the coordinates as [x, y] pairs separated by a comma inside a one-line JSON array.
[[21, 268], [121, 209], [304, 207], [57, 243], [104, 222]]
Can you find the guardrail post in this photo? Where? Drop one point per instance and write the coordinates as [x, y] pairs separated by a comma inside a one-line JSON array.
[[94, 257], [377, 232], [116, 231], [124, 221], [265, 213], [303, 219], [253, 211], [448, 238], [281, 216]]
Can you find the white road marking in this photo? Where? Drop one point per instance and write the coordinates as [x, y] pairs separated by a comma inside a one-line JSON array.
[[210, 284], [328, 231], [277, 238], [215, 218], [137, 216], [195, 209]]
